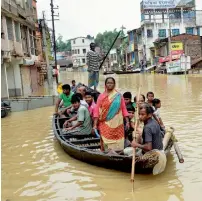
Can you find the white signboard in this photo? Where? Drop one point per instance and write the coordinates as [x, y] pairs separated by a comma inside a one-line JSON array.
[[163, 4], [181, 65]]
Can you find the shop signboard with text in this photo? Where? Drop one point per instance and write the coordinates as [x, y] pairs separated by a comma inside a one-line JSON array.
[[164, 4], [177, 48]]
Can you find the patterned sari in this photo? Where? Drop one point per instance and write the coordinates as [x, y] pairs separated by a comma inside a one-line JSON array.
[[110, 110]]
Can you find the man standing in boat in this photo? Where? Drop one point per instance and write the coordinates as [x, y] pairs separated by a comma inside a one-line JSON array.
[[93, 63]]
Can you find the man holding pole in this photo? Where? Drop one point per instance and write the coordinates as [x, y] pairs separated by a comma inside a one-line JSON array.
[[93, 63]]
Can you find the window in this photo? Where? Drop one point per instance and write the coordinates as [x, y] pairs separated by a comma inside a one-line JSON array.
[[175, 32], [190, 30], [84, 51], [149, 33], [2, 28], [31, 42], [78, 51], [198, 31], [83, 41], [75, 51], [162, 33], [74, 42], [17, 31], [83, 61], [9, 24]]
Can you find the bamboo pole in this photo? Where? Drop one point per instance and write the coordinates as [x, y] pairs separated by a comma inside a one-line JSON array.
[[109, 50], [136, 124]]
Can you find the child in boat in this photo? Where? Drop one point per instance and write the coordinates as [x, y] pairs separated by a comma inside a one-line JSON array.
[[128, 133], [127, 98], [83, 124], [90, 102], [141, 100], [65, 97], [156, 105], [150, 98], [73, 85]]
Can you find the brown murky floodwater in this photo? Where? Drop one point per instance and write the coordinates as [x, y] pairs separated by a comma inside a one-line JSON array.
[[35, 168]]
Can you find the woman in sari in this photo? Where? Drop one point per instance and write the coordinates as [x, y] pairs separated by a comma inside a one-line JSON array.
[[108, 117]]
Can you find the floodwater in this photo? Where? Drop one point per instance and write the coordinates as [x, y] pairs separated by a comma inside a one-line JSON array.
[[35, 168]]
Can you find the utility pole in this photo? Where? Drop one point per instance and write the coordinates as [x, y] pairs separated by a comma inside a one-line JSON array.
[[49, 68], [54, 41]]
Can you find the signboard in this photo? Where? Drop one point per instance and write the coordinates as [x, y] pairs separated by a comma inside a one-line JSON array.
[[167, 58], [173, 67], [177, 48], [181, 65], [164, 4]]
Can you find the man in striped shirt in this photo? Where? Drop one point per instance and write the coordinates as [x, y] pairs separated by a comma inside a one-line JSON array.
[[93, 63]]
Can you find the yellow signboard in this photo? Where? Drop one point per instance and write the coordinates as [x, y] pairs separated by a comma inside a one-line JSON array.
[[176, 46]]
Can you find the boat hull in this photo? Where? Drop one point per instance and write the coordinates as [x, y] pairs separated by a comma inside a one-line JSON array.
[[144, 165]]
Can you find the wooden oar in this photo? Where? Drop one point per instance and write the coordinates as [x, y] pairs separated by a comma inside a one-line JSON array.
[[134, 137]]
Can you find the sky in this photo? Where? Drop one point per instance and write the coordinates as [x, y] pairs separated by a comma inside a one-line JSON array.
[[89, 17]]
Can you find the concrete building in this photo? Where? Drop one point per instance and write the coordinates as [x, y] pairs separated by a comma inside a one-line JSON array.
[[160, 21], [80, 46], [19, 75], [133, 48]]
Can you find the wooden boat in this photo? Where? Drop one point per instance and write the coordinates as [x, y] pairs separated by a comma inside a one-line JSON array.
[[128, 72], [5, 108], [108, 73], [86, 148]]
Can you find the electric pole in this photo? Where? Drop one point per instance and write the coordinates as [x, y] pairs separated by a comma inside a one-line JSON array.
[[49, 68], [54, 41]]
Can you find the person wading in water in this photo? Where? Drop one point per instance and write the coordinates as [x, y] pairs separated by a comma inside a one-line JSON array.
[[93, 63]]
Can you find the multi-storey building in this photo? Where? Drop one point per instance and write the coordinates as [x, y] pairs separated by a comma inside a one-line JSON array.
[[170, 18], [19, 75], [80, 46]]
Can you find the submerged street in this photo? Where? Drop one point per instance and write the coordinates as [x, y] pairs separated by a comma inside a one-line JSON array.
[[35, 168]]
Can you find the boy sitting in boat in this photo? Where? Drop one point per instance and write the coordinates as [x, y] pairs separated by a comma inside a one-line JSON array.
[[127, 98], [156, 105], [65, 97], [151, 136], [150, 98], [91, 104], [83, 124]]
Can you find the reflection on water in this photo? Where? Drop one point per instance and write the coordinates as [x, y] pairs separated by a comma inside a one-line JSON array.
[[35, 168]]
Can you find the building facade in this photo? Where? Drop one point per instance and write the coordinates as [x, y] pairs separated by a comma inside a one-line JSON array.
[[18, 48], [80, 46], [165, 20]]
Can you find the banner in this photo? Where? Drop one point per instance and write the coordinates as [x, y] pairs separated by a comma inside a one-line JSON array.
[[164, 4]]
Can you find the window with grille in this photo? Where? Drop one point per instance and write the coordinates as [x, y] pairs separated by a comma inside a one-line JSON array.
[[190, 30], [149, 33], [78, 51], [162, 33], [84, 51], [175, 32], [9, 28], [17, 31], [83, 61]]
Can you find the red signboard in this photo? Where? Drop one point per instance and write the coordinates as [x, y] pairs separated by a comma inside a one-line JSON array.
[[167, 58]]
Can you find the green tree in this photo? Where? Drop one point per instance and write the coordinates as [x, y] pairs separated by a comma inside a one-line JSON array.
[[62, 45], [105, 40]]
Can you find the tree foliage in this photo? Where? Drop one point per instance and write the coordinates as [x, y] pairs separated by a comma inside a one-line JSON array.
[[105, 40], [61, 45]]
